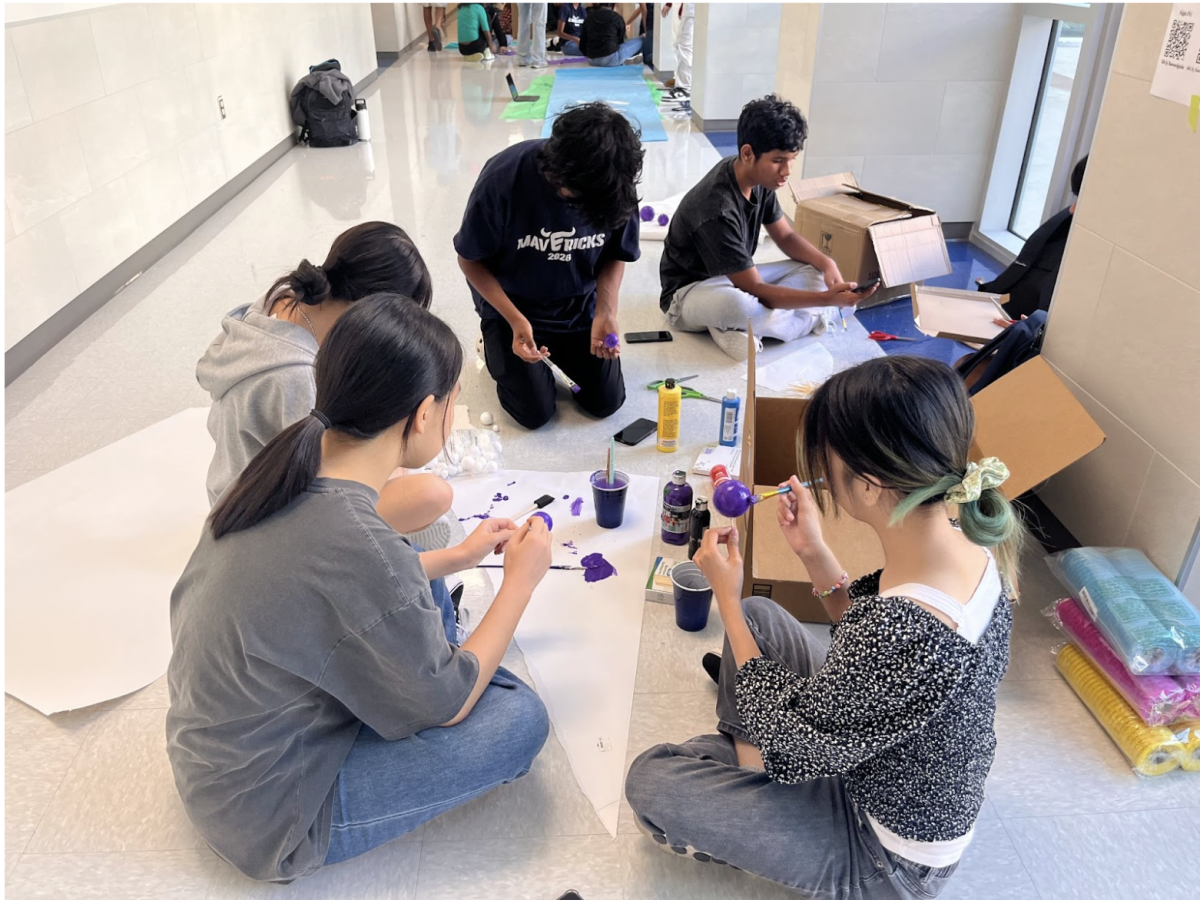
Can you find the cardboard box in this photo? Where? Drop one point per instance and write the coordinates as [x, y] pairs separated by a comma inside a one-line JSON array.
[[1028, 418], [967, 316], [870, 235]]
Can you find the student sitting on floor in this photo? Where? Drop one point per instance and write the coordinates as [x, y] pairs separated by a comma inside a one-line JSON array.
[[474, 33], [317, 710], [571, 17], [709, 279], [603, 41], [259, 370], [859, 773], [544, 240]]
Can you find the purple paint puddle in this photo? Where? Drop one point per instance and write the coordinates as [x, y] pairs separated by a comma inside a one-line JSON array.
[[476, 516], [576, 505], [566, 496], [596, 568]]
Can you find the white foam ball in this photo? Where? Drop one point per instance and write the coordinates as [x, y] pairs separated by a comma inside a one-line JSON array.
[[495, 428], [486, 418], [493, 467]]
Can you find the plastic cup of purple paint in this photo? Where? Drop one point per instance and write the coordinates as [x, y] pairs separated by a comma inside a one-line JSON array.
[[609, 498], [693, 596]]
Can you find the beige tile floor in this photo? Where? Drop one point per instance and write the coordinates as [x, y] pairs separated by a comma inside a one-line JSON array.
[[90, 809]]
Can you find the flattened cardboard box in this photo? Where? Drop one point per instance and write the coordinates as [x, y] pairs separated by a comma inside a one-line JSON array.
[[1028, 418], [967, 316], [870, 235]]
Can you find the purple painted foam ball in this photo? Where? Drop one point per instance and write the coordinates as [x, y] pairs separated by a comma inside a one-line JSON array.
[[662, 220], [647, 213], [612, 341], [731, 498], [545, 517]]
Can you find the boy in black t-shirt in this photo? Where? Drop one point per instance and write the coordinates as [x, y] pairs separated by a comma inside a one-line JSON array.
[[709, 279], [544, 240]]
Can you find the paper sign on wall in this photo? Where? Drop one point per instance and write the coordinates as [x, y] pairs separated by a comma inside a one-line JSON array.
[[1177, 75]]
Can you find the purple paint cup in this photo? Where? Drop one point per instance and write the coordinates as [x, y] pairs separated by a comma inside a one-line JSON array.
[[609, 499], [693, 596]]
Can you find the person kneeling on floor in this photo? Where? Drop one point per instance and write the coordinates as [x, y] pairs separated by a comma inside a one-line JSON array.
[[709, 279], [317, 708], [544, 240]]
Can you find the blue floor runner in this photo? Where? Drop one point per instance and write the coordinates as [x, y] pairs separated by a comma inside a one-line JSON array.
[[621, 86]]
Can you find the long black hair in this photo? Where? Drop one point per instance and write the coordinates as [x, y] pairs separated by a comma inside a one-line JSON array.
[[596, 155], [371, 258], [379, 363], [907, 422]]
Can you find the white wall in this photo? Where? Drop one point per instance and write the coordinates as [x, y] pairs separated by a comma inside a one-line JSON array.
[[383, 25], [1126, 314], [112, 129], [908, 98], [733, 58]]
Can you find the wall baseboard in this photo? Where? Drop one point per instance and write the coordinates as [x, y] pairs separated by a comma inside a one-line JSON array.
[[25, 352], [714, 124]]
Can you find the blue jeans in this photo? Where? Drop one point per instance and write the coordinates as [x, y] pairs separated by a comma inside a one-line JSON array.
[[441, 596], [810, 836], [388, 788], [627, 50], [571, 48]]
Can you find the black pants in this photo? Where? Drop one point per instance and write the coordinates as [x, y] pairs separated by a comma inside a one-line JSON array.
[[528, 392], [476, 46], [493, 17]]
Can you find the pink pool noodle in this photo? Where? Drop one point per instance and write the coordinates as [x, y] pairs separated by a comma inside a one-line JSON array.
[[1158, 699]]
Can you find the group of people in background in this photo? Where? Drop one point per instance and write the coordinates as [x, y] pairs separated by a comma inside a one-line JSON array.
[[324, 696]]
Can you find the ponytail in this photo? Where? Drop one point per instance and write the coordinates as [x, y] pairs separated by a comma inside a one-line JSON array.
[[280, 473]]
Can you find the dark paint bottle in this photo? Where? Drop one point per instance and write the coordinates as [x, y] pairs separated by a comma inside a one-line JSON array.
[[701, 518]]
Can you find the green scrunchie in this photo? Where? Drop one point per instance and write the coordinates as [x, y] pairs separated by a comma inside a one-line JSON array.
[[987, 473]]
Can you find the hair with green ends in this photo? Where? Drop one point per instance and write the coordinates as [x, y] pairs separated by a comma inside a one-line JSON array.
[[907, 423]]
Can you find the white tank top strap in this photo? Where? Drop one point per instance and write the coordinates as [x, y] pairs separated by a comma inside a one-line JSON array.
[[970, 619], [942, 602]]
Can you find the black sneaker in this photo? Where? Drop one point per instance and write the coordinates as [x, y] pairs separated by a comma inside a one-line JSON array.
[[712, 665], [456, 595], [437, 38]]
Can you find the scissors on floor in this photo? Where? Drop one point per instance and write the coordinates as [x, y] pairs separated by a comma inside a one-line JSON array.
[[688, 392], [884, 336]]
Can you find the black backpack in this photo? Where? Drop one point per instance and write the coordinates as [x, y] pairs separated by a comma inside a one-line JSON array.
[[322, 123], [1018, 343]]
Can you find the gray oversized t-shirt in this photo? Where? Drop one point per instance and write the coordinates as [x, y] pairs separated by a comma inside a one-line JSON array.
[[287, 636]]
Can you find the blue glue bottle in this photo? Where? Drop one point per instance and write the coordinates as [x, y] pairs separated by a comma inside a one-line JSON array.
[[730, 406], [677, 509]]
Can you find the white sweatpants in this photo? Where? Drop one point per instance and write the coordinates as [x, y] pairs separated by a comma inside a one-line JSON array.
[[683, 46]]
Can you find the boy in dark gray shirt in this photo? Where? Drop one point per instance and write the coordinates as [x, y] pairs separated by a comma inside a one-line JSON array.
[[709, 279]]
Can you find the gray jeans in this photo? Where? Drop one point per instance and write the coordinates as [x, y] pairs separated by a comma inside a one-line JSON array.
[[716, 305], [811, 837]]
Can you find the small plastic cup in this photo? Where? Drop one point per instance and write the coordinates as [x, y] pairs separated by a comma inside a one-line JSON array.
[[693, 596], [609, 499]]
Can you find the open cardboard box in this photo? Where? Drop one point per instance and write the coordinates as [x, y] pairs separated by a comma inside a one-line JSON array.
[[1028, 419], [870, 235], [967, 316]]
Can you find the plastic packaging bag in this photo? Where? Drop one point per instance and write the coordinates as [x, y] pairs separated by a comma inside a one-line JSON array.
[[469, 451], [1189, 734], [1147, 621], [1152, 749], [1158, 699]]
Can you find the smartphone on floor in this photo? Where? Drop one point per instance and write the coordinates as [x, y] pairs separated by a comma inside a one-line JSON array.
[[637, 432], [647, 337]]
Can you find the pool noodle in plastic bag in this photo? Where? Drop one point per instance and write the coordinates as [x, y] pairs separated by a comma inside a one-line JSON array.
[[1136, 632], [1167, 603], [1152, 749], [1190, 735], [1158, 699]]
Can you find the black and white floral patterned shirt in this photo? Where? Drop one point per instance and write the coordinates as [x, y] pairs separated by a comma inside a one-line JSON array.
[[903, 709]]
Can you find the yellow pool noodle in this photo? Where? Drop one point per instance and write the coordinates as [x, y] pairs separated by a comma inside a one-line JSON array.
[[1153, 750]]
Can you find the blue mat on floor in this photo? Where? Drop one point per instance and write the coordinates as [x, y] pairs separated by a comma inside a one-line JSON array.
[[621, 86]]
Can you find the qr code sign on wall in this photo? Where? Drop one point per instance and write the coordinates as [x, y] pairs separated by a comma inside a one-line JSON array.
[[1178, 39]]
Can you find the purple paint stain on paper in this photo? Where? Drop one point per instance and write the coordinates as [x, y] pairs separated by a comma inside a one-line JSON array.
[[570, 545], [510, 484], [566, 496], [576, 506], [596, 568]]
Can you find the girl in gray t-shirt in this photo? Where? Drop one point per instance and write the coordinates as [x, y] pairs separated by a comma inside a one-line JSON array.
[[317, 709]]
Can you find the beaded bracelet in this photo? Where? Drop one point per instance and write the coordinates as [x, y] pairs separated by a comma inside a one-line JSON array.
[[841, 583]]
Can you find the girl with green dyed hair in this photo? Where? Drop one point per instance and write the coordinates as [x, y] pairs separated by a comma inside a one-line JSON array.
[[857, 770]]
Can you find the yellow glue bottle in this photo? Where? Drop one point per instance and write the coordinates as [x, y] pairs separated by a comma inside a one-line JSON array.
[[670, 396]]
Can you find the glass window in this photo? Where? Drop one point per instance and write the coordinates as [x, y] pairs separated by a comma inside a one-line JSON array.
[[1041, 151]]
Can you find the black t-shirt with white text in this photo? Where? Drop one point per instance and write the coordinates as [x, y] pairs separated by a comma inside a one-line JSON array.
[[714, 231], [543, 251]]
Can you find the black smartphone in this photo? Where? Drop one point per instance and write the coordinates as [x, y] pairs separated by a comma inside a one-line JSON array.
[[865, 286], [637, 432], [647, 337], [571, 895]]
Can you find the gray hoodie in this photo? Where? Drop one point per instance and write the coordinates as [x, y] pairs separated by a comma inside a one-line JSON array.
[[260, 373]]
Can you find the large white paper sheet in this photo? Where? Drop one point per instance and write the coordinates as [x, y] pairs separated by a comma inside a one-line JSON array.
[[1177, 70], [812, 363], [581, 640], [93, 551]]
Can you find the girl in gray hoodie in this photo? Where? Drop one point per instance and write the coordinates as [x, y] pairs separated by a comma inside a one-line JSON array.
[[260, 368]]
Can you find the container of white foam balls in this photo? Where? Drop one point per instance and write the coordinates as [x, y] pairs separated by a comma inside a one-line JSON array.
[[469, 451]]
